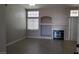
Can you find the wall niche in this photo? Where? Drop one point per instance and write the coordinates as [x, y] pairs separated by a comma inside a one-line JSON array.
[[46, 26]]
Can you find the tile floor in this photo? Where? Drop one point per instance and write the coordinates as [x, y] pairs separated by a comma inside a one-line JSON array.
[[40, 46]]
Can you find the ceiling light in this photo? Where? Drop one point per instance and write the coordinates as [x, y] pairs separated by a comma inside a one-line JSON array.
[[32, 4]]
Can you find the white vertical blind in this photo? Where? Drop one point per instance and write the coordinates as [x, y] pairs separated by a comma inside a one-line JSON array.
[[33, 24], [36, 24], [33, 20], [30, 24]]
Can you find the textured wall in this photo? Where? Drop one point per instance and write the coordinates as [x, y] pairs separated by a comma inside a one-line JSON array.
[[16, 22], [2, 29]]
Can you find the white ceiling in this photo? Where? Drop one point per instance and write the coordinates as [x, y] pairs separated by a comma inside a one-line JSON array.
[[49, 5]]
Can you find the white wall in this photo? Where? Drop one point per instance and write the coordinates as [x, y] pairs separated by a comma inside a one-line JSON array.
[[59, 18], [58, 15], [16, 21], [2, 29], [73, 28], [78, 33]]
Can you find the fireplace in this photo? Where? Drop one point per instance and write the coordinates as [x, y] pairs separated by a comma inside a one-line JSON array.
[[58, 34]]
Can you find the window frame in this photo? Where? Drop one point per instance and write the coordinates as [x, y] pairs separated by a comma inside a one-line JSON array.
[[31, 18], [74, 10]]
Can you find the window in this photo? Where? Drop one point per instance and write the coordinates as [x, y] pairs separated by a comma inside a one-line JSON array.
[[33, 13], [74, 13], [33, 20], [33, 24]]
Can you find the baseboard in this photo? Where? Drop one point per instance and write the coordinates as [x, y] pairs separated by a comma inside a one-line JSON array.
[[16, 41], [3, 52], [39, 37]]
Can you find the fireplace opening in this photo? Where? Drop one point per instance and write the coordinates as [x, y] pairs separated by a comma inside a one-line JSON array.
[[58, 34]]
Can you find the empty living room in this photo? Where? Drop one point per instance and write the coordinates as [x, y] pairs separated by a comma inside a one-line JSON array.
[[39, 29]]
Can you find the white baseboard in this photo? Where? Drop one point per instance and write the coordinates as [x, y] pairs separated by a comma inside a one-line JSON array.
[[16, 41], [39, 37]]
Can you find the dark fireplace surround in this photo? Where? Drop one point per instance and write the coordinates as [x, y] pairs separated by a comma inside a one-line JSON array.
[[58, 34]]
